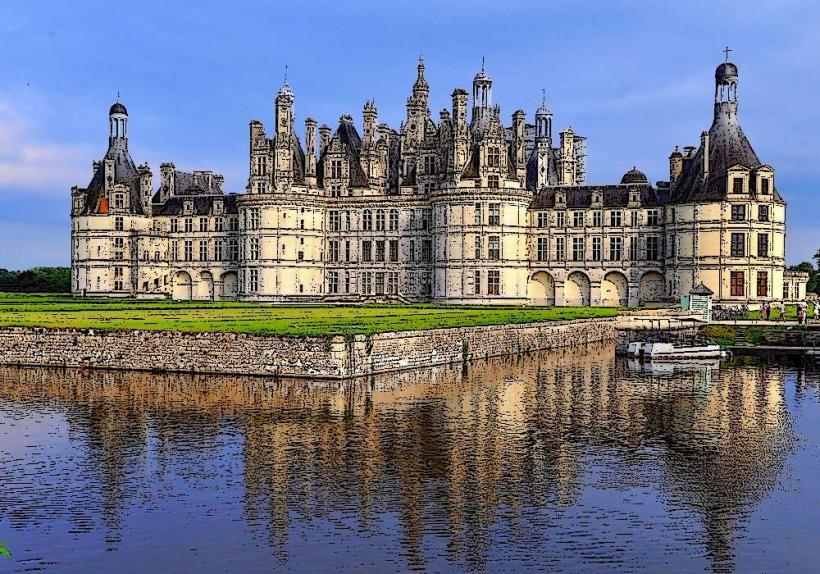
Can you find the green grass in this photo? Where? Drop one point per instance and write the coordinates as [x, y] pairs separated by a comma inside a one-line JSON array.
[[791, 313], [61, 311]]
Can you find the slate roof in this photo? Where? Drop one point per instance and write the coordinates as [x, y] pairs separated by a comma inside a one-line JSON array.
[[125, 171], [578, 197], [347, 134], [202, 204]]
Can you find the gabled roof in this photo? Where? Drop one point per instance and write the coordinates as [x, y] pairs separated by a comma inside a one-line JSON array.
[[346, 134]]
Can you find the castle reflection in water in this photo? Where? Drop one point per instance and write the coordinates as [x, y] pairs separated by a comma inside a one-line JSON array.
[[485, 459]]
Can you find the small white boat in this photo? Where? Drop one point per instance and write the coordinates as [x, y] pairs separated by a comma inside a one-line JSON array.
[[671, 352]]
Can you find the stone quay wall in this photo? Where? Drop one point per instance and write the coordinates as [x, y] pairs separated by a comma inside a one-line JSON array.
[[315, 357]]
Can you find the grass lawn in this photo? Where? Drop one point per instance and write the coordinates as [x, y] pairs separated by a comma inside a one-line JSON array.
[[791, 313], [25, 310]]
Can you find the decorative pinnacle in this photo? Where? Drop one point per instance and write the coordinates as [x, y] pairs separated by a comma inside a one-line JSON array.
[[726, 51]]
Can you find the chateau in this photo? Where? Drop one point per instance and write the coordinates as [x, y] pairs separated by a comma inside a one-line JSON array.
[[459, 210]]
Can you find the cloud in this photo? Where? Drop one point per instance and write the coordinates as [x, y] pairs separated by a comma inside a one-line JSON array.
[[30, 163]]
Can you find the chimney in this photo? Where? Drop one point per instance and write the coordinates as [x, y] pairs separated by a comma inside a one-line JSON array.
[[324, 138], [167, 175], [310, 153], [675, 165]]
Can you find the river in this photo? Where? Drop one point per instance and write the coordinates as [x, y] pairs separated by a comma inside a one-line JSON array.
[[562, 461]]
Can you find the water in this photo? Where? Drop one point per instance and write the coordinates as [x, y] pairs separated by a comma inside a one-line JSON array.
[[555, 462]]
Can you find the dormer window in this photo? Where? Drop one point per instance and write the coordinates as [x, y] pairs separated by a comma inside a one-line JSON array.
[[493, 157], [188, 206], [764, 186], [737, 185], [596, 198], [336, 168], [119, 200]]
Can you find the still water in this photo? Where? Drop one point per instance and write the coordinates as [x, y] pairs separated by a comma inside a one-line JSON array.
[[558, 462]]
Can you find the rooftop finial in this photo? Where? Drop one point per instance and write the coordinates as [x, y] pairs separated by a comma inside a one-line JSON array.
[[543, 97], [286, 74], [726, 51], [118, 95], [482, 63]]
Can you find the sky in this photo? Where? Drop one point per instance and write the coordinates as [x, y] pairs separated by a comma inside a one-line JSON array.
[[636, 78]]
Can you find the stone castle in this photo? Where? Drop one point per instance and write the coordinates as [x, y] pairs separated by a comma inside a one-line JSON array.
[[462, 210]]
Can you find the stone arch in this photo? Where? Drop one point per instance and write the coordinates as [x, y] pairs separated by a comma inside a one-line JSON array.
[[229, 285], [204, 288], [651, 288], [182, 286], [614, 290], [541, 289], [577, 290]]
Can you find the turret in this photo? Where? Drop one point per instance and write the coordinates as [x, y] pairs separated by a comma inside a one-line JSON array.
[[566, 163], [146, 186], [482, 97], [283, 141], [675, 165], [310, 153], [118, 126], [543, 143], [520, 145], [461, 133], [369, 116]]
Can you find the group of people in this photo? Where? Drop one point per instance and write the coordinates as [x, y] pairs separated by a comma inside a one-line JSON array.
[[802, 311]]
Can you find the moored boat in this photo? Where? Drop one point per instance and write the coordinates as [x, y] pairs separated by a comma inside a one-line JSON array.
[[670, 351]]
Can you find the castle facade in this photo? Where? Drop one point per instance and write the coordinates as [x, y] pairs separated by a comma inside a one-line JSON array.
[[462, 210]]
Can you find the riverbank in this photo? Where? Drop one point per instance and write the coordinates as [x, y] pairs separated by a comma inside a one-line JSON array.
[[763, 334]]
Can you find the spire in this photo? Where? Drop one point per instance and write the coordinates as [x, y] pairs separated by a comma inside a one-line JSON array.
[[285, 89], [421, 84]]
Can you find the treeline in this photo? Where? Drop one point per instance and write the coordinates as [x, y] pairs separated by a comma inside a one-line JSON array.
[[36, 280], [813, 286]]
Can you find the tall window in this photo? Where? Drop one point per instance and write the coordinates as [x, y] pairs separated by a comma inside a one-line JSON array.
[[652, 217], [426, 250], [764, 186], [367, 253], [493, 282], [253, 280], [333, 282], [380, 250], [394, 220], [219, 223], [119, 285], [203, 224], [653, 248], [543, 218], [616, 248], [478, 217], [615, 218], [334, 250], [737, 185], [174, 225], [762, 244], [367, 220], [577, 248], [492, 181], [379, 220], [393, 282], [367, 283], [347, 251], [218, 246], [738, 213], [560, 248], [578, 218], [189, 225], [543, 249], [253, 248], [561, 219], [762, 283], [633, 215], [477, 247], [738, 247], [335, 221], [736, 284], [119, 225], [380, 283], [763, 212], [493, 247], [493, 157], [495, 214], [203, 250], [596, 248], [411, 251], [633, 248], [597, 218], [477, 284], [394, 250], [336, 169], [430, 165], [189, 251]]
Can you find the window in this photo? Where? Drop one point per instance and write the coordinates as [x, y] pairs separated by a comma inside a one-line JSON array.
[[597, 218], [218, 250], [616, 247], [253, 248], [336, 168], [334, 250], [189, 251], [203, 250], [234, 223], [119, 245], [633, 248], [736, 284], [189, 225], [615, 218], [560, 249], [333, 282], [737, 185], [219, 223], [426, 250], [543, 219], [430, 164], [394, 250], [379, 220], [260, 165], [380, 250], [479, 219], [652, 217], [762, 244], [764, 186], [493, 282], [493, 157], [174, 225], [578, 218], [738, 213], [253, 279], [367, 283], [203, 224], [543, 249], [335, 190], [596, 248], [495, 214], [347, 251], [367, 251], [477, 285], [394, 220], [653, 248], [119, 200], [393, 283], [412, 251], [561, 219], [118, 224], [763, 212], [300, 256], [577, 248], [380, 283], [493, 247], [233, 249], [633, 215], [785, 290], [762, 283], [118, 282], [335, 221], [367, 220], [738, 248], [492, 181], [477, 247]]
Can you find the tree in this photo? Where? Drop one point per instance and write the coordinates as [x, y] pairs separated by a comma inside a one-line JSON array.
[[37, 280]]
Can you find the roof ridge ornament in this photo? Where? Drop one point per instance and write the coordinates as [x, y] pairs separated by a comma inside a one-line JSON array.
[[726, 51]]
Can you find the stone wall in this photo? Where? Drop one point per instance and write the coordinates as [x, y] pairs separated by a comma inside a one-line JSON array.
[[322, 357]]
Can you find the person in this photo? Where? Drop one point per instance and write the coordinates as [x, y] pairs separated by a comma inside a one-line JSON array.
[[816, 305], [765, 310], [801, 313]]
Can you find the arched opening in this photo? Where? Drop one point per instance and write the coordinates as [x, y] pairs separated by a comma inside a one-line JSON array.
[[576, 290], [541, 289], [228, 285], [182, 286], [614, 290], [651, 288], [204, 287]]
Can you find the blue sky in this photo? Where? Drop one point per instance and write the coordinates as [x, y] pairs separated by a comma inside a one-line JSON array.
[[635, 77]]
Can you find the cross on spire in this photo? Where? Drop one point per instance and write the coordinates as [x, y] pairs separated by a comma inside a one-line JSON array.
[[726, 51]]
